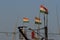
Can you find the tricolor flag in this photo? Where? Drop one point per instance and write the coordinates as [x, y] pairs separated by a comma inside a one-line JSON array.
[[43, 9], [25, 19], [37, 20]]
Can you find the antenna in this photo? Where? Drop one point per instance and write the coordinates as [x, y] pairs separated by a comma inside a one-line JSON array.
[[57, 17]]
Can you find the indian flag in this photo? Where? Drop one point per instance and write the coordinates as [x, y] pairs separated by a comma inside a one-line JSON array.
[[37, 20], [43, 9], [25, 19]]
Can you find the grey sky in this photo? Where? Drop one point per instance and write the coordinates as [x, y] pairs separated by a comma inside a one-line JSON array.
[[11, 9]]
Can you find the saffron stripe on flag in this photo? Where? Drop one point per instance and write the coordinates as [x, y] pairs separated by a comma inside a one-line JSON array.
[[25, 19]]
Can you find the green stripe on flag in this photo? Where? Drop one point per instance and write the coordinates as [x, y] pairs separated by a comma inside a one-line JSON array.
[[38, 23], [42, 11], [25, 21]]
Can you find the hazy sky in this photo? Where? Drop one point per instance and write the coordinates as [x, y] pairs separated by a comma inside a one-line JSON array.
[[11, 9]]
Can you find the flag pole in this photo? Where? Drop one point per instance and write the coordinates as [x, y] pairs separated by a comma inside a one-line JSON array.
[[44, 20], [46, 24], [46, 28], [38, 28]]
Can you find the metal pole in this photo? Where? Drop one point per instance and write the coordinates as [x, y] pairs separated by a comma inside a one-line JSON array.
[[38, 31], [38, 28], [13, 34], [6, 36], [42, 38], [46, 29], [44, 20], [20, 30], [46, 33]]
